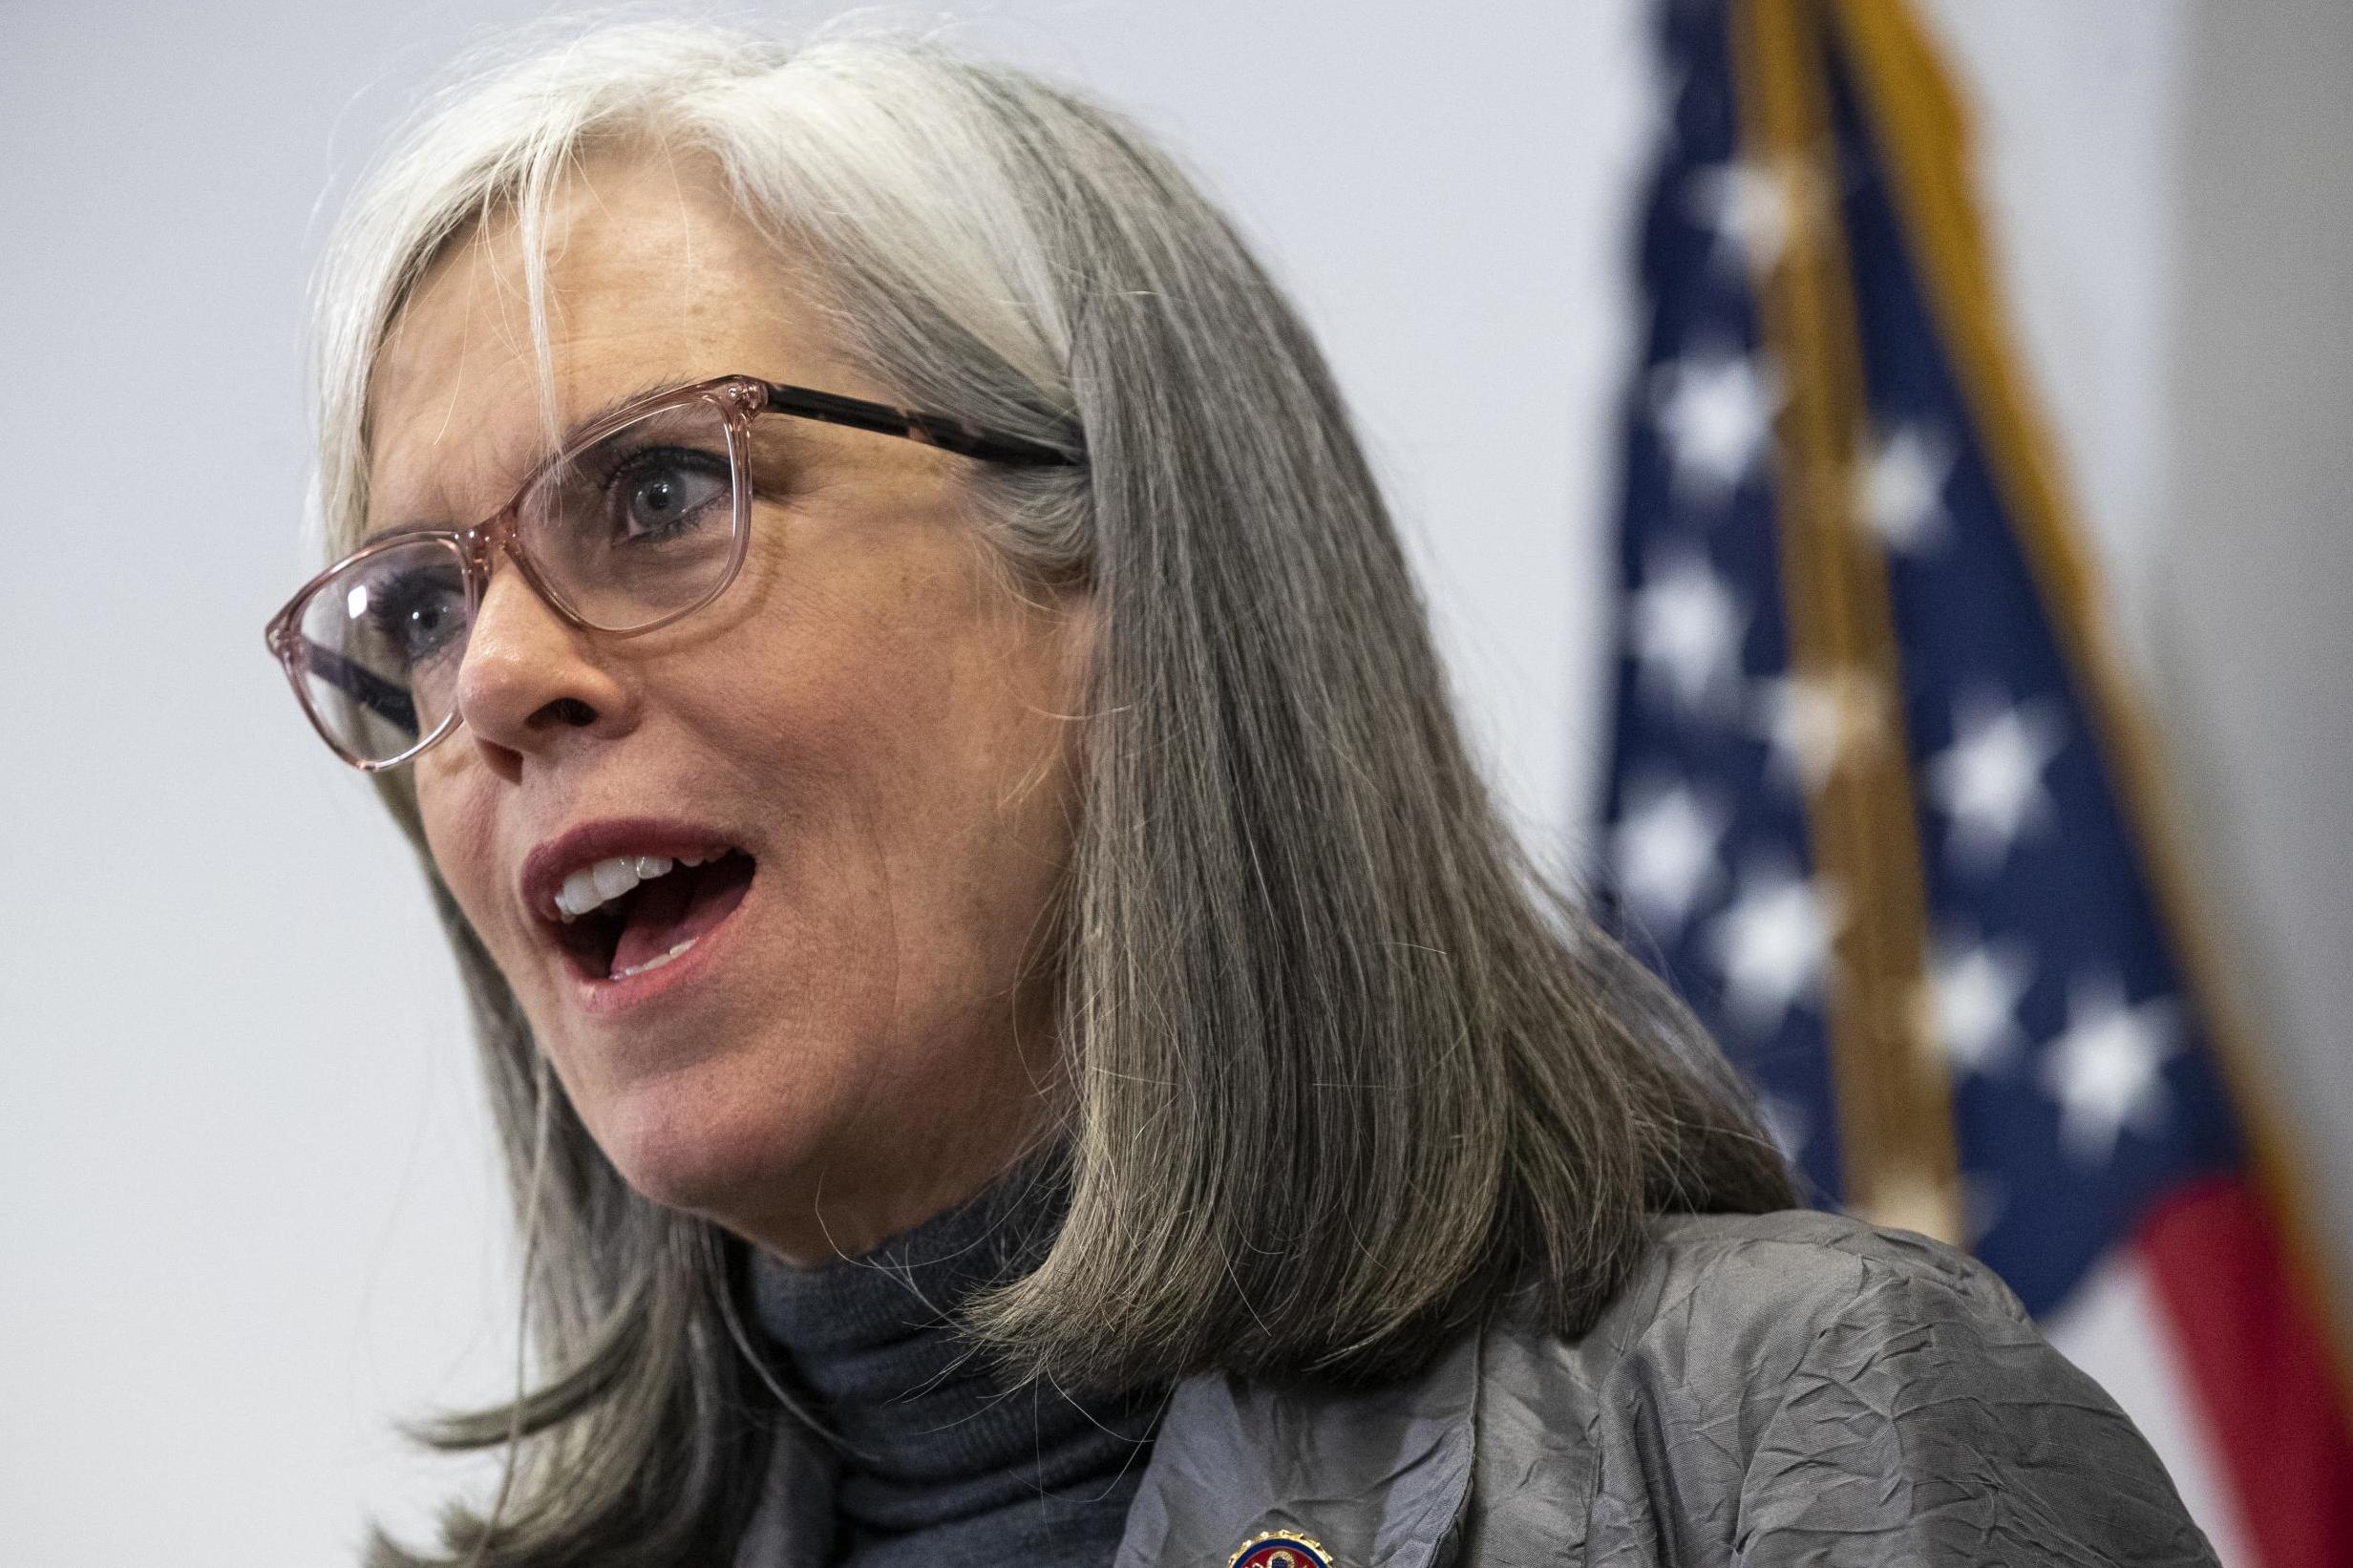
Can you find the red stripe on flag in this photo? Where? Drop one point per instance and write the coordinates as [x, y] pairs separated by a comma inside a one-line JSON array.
[[2259, 1368]]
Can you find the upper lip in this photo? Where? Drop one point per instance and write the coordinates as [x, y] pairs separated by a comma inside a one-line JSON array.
[[579, 848]]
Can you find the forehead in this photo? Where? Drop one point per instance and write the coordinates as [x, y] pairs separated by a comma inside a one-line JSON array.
[[652, 279]]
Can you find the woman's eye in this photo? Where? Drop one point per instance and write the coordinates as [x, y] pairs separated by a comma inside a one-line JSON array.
[[659, 495], [419, 613]]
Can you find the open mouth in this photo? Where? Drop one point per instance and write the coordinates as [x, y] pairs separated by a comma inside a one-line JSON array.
[[628, 915]]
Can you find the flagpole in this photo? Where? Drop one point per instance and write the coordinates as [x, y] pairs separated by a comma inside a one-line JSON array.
[[1922, 131], [1897, 1147]]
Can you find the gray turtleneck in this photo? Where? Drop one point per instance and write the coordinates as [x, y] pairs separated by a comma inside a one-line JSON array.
[[937, 1459]]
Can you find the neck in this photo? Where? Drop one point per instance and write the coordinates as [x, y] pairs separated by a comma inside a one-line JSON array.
[[937, 1445], [879, 1177], [895, 1181]]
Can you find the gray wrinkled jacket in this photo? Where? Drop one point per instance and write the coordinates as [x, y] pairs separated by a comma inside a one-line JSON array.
[[1784, 1389]]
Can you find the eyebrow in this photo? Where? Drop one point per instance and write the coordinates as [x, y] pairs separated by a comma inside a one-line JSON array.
[[569, 433]]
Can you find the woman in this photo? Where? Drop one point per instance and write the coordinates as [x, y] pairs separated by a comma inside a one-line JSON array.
[[1019, 1034]]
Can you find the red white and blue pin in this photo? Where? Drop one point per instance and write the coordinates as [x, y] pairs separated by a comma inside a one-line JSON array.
[[1281, 1549]]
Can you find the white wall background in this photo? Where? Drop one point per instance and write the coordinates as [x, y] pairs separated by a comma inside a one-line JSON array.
[[250, 1210]]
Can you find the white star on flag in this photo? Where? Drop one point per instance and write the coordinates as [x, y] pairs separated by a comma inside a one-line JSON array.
[[1772, 945], [1990, 780], [1899, 487], [1664, 849], [1687, 627], [1814, 723], [1786, 1123], [1975, 989], [1753, 208], [1715, 410], [2105, 1069]]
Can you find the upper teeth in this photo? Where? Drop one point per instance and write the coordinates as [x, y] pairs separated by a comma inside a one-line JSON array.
[[594, 886]]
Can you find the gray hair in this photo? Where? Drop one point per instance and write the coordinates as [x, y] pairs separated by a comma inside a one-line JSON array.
[[1342, 1070]]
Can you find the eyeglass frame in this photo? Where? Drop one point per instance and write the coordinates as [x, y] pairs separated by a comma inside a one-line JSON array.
[[739, 399]]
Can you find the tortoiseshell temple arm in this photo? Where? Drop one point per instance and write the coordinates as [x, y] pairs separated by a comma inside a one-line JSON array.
[[364, 687], [933, 429]]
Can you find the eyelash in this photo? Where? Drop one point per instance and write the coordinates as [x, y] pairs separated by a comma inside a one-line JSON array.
[[647, 456]]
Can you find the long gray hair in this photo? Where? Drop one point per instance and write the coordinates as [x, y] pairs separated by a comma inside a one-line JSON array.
[[1341, 1070]]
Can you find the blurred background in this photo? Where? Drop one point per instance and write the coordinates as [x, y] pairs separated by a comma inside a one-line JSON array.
[[250, 1208]]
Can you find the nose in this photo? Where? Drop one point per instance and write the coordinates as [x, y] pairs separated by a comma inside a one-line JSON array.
[[529, 679]]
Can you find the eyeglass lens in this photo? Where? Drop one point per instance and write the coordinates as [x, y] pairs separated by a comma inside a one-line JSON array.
[[633, 528]]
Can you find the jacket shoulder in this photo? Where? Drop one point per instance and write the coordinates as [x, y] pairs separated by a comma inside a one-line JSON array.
[[1673, 1386], [1802, 1267], [1808, 1388], [1733, 1302]]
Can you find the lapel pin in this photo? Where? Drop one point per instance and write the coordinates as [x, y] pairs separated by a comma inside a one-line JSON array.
[[1281, 1549]]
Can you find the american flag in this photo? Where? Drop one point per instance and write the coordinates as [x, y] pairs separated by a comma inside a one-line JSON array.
[[1879, 807]]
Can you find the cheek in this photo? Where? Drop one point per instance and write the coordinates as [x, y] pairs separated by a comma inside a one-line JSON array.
[[907, 745], [970, 818], [457, 833]]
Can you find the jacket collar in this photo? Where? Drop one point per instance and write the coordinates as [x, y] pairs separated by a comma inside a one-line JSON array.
[[1377, 1477]]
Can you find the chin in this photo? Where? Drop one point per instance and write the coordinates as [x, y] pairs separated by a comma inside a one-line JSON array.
[[699, 1148]]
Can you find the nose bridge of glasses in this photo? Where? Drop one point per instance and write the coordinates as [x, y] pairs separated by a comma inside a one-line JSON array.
[[502, 535], [483, 543]]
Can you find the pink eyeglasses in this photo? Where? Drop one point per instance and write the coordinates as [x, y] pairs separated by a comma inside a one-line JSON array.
[[640, 520]]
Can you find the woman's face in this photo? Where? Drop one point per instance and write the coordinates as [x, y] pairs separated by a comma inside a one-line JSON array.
[[871, 714]]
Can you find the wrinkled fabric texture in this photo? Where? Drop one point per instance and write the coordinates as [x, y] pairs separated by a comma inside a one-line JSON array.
[[1768, 1391], [926, 1455]]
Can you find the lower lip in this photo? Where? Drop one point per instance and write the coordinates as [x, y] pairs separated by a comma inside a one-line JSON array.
[[605, 998]]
